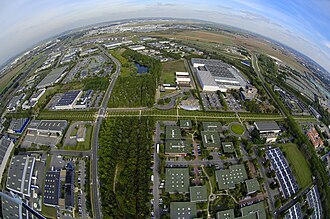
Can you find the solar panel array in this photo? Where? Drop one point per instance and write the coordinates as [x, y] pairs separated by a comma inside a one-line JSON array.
[[294, 212], [284, 174], [314, 202], [68, 98], [52, 188]]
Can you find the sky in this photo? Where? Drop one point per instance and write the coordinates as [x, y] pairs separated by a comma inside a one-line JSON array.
[[300, 24]]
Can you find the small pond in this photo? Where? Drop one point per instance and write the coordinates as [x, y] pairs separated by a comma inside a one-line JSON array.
[[141, 68]]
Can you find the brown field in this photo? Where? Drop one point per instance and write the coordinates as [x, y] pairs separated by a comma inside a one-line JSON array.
[[256, 45]]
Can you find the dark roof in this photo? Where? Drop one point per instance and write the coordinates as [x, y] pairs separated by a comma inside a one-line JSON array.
[[52, 188], [68, 98], [267, 126]]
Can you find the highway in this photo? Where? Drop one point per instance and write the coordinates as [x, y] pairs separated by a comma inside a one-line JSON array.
[[96, 199]]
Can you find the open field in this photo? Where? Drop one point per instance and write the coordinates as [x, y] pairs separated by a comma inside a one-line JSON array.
[[168, 71], [251, 43], [298, 164]]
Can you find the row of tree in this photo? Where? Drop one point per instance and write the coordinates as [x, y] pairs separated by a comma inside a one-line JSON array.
[[124, 167]]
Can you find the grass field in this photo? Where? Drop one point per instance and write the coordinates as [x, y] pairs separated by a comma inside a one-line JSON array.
[[7, 78], [298, 164], [169, 69], [251, 43], [237, 129]]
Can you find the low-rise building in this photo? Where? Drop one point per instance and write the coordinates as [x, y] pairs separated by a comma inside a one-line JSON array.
[[185, 124], [315, 138], [68, 100], [211, 140], [48, 128], [182, 79], [17, 126], [183, 210], [177, 180], [173, 133], [228, 178], [81, 133], [52, 189], [228, 147], [252, 185], [268, 130], [248, 93], [174, 148], [198, 194]]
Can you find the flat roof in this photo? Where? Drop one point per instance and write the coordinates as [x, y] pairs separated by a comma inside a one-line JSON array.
[[185, 124], [283, 172], [20, 174], [52, 77], [177, 180], [267, 126], [18, 125], [212, 126], [210, 139], [227, 179], [183, 210], [68, 98], [314, 202], [258, 208], [227, 214], [48, 125], [228, 147], [52, 188], [11, 209], [252, 185], [173, 132], [4, 145], [177, 147], [198, 194]]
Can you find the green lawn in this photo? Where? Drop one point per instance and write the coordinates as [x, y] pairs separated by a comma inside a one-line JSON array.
[[237, 129], [169, 69], [298, 164]]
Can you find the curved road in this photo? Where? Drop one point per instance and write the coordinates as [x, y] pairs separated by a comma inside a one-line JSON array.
[[96, 199]]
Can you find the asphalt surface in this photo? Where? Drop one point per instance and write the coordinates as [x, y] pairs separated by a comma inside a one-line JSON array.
[[155, 189], [96, 199]]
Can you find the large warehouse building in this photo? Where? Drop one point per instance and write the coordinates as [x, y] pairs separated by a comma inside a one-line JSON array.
[[52, 78], [214, 75], [68, 100]]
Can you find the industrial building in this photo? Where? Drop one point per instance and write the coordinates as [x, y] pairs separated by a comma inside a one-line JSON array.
[[211, 140], [52, 189], [68, 100], [47, 127], [198, 194], [11, 209], [177, 180], [227, 179], [20, 174], [175, 148], [268, 130], [288, 184], [52, 78], [15, 102], [6, 147], [137, 47], [17, 126], [215, 75], [183, 210], [182, 79], [173, 133]]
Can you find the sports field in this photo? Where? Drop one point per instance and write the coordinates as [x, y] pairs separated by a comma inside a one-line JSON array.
[[237, 129], [298, 164]]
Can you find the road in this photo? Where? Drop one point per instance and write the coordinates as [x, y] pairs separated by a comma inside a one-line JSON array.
[[262, 79], [96, 199], [155, 189]]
